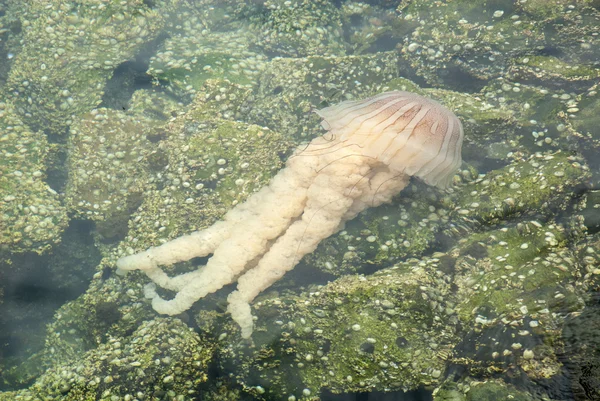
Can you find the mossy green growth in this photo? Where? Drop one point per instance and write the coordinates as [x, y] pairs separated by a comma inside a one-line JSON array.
[[515, 271], [300, 28], [465, 43], [483, 120], [127, 365], [380, 236], [209, 164], [110, 162], [448, 391], [103, 312], [208, 40], [70, 52], [535, 115], [540, 184], [290, 88], [404, 84], [223, 164], [544, 10], [32, 216], [553, 73], [221, 99], [212, 65], [389, 330], [154, 103], [553, 65], [495, 391]]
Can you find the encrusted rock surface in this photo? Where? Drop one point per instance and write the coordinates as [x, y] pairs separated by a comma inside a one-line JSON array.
[[444, 292]]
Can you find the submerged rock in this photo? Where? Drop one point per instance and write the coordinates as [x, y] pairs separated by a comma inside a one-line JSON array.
[[162, 356], [394, 329], [290, 88], [32, 216], [475, 282], [70, 52], [110, 160]]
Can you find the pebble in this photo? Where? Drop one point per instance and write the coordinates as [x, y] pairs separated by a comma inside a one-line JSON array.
[[528, 354], [412, 47]]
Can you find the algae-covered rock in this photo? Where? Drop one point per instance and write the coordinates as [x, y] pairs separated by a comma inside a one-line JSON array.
[[552, 72], [301, 28], [110, 163], [539, 185], [391, 330], [70, 52], [290, 88], [154, 104], [111, 307], [188, 59], [496, 390], [448, 391], [209, 164], [162, 356], [465, 44], [523, 272], [32, 216]]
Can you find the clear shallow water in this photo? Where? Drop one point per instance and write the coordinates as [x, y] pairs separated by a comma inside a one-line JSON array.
[[118, 131]]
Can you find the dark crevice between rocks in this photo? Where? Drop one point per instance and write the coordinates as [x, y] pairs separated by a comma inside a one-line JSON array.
[[415, 395], [34, 287], [384, 43], [478, 346], [151, 4], [115, 229], [130, 76], [57, 172], [408, 72], [591, 213], [462, 81], [127, 78], [581, 352]]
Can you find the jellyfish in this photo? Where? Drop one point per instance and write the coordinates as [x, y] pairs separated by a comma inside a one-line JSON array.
[[370, 150]]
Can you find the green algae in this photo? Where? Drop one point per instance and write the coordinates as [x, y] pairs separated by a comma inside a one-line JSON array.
[[356, 334], [33, 217], [535, 185], [209, 165], [528, 264], [302, 28], [480, 41], [210, 65], [110, 164], [559, 68], [126, 367], [70, 53], [292, 87], [490, 391]]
